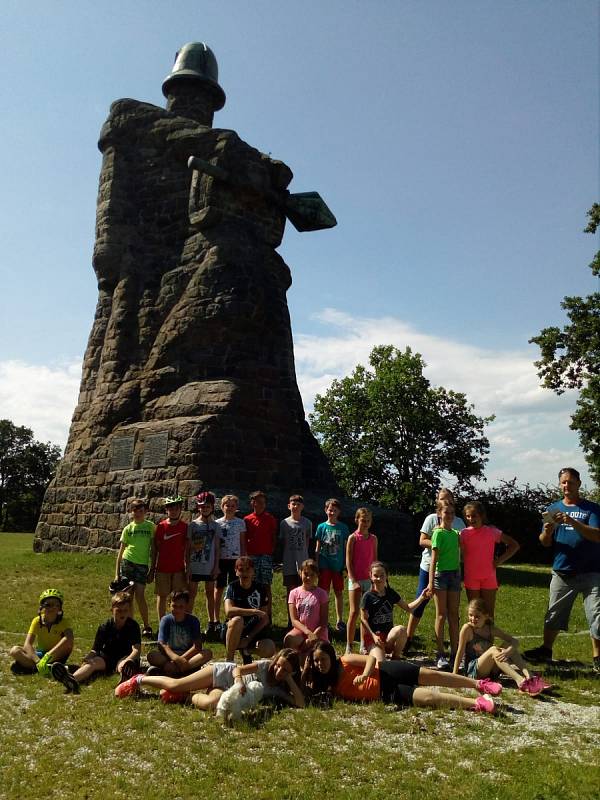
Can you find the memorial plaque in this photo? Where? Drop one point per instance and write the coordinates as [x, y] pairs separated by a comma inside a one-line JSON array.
[[121, 456], [155, 450]]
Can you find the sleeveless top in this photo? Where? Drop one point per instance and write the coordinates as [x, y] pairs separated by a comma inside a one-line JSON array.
[[480, 642]]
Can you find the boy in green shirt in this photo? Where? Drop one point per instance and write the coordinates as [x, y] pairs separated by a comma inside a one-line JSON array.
[[136, 553], [444, 579]]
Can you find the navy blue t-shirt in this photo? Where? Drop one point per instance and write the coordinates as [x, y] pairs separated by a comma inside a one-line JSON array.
[[572, 552]]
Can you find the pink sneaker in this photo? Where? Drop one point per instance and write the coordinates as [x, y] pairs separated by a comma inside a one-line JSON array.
[[173, 697], [484, 703], [532, 686], [127, 688], [486, 686]]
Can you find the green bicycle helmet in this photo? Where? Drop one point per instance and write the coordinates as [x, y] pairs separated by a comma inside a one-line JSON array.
[[173, 501], [52, 593]]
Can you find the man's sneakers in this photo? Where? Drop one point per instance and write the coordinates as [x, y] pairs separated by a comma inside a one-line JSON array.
[[61, 674], [538, 654], [173, 697], [442, 662], [485, 704], [129, 687], [487, 686]]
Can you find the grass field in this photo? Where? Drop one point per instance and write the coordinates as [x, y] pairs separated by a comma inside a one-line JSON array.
[[94, 746]]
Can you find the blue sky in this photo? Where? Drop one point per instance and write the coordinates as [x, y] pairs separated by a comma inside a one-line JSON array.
[[457, 144]]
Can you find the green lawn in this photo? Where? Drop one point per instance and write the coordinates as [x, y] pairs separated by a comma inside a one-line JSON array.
[[93, 746]]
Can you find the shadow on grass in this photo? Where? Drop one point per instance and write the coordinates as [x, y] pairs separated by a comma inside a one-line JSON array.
[[523, 577]]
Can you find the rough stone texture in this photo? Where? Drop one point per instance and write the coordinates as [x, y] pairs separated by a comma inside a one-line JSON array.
[[191, 337]]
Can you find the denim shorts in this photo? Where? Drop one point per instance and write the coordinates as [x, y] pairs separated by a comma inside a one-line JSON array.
[[364, 584], [448, 581]]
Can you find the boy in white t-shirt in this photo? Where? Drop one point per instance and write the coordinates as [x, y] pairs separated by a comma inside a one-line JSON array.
[[232, 547]]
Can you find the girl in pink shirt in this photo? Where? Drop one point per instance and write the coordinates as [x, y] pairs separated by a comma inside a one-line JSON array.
[[478, 543], [361, 552], [308, 607]]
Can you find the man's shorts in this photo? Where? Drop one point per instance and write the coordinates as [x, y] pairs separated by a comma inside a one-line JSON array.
[[226, 572], [476, 584], [167, 582], [138, 573], [448, 581], [563, 592], [263, 569], [327, 577], [423, 584]]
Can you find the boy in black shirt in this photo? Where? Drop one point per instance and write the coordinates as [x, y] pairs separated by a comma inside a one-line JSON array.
[[246, 603], [116, 647]]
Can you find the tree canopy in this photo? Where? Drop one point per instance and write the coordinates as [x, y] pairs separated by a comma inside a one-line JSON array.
[[391, 437], [570, 359], [26, 468]]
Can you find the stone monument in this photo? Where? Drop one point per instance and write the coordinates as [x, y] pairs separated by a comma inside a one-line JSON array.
[[188, 377]]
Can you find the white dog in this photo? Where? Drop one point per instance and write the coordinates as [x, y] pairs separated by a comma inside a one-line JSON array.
[[232, 702]]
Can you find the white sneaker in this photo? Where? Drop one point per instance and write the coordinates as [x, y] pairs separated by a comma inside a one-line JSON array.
[[348, 650], [442, 662]]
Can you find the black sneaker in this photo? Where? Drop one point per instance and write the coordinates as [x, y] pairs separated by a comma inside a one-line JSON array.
[[61, 674], [211, 632], [147, 633], [128, 670], [596, 665], [246, 656], [19, 669], [538, 654]]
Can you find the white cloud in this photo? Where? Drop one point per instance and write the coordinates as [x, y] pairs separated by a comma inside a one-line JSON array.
[[530, 437], [40, 397]]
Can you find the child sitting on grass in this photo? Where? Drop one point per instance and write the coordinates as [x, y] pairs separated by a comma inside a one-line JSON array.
[[53, 634], [116, 648], [179, 641], [483, 658]]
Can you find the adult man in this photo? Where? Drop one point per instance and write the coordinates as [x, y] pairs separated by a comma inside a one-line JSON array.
[[573, 529]]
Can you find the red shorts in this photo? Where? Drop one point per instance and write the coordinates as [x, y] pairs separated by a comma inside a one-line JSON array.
[[328, 577], [476, 584], [370, 642]]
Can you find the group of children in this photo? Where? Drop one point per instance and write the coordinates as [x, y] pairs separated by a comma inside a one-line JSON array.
[[233, 557]]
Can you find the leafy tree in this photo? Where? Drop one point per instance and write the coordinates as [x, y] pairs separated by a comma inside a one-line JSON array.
[[570, 359], [26, 468], [390, 436]]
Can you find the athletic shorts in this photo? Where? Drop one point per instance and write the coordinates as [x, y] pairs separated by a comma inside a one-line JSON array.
[[226, 572], [263, 569], [138, 573], [110, 662], [476, 584], [327, 577], [167, 582], [292, 581], [370, 642], [364, 585], [398, 681], [448, 581], [201, 578], [223, 674]]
